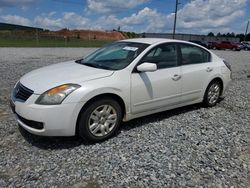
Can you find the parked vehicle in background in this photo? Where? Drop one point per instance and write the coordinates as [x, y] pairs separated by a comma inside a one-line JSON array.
[[212, 45], [246, 45], [240, 45], [119, 82], [246, 42], [199, 42], [228, 45]]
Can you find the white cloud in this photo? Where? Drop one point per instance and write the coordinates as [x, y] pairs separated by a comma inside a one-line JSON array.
[[73, 20], [68, 20], [14, 19], [205, 14], [12, 3], [52, 13], [150, 20], [197, 16], [146, 20], [107, 6], [47, 22]]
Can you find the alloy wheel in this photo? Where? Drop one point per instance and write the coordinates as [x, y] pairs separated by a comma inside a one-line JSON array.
[[102, 120], [213, 93]]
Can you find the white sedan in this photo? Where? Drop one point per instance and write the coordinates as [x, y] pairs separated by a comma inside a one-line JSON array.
[[119, 82]]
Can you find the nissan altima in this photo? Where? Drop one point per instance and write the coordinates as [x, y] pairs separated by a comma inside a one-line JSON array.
[[127, 79]]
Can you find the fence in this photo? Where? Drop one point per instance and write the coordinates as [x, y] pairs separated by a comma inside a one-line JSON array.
[[188, 37]]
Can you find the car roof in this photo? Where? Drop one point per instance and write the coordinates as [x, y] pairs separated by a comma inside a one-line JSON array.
[[151, 40]]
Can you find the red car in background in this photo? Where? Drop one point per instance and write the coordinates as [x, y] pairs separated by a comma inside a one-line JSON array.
[[224, 45]]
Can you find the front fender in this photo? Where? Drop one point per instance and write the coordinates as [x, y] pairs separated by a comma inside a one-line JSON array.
[[108, 90]]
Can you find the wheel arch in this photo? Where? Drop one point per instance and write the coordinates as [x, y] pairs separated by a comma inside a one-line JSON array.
[[219, 79], [114, 96]]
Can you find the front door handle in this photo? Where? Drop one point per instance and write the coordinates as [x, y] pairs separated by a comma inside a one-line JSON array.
[[209, 69], [176, 77]]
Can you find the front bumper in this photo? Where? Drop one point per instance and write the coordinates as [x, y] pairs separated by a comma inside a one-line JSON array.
[[56, 120]]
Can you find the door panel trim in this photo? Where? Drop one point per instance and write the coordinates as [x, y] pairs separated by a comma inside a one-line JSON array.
[[169, 97], [192, 92], [157, 100]]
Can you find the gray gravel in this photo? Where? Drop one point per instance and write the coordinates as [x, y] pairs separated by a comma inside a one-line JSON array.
[[187, 147]]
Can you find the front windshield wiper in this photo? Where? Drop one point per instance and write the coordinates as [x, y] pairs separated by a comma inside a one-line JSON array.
[[94, 65], [98, 66], [91, 65], [79, 61]]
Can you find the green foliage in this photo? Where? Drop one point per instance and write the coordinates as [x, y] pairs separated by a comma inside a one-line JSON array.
[[210, 34], [241, 36], [219, 34]]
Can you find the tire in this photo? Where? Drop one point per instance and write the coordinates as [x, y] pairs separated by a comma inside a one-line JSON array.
[[212, 94], [95, 125]]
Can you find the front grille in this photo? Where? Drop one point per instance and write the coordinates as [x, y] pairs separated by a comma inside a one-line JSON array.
[[21, 92], [30, 123]]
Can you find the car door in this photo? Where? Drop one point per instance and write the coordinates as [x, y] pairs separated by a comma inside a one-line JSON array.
[[196, 69], [153, 90]]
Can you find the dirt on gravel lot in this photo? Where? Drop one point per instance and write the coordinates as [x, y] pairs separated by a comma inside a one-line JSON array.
[[186, 147]]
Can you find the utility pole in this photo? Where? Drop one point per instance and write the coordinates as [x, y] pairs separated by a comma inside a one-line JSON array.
[[37, 40], [246, 30], [175, 17]]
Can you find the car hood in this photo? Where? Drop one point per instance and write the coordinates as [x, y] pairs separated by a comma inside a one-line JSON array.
[[43, 79]]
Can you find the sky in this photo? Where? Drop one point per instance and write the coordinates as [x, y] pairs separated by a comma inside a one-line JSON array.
[[194, 16]]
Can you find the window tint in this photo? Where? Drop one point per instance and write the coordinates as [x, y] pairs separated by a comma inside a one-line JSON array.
[[193, 54], [164, 56]]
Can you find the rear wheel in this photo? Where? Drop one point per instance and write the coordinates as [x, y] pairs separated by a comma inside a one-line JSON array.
[[100, 120], [212, 94]]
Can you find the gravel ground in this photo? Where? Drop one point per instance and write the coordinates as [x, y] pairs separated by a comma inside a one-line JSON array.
[[187, 147]]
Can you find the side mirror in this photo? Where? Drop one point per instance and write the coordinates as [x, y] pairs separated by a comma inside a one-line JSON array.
[[147, 67]]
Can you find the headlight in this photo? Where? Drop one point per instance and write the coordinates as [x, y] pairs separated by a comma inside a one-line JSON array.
[[56, 95]]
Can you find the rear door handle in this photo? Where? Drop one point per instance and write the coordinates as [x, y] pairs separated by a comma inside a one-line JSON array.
[[209, 69], [176, 77]]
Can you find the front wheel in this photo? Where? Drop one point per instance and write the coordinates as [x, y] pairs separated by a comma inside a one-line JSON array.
[[100, 120], [212, 94]]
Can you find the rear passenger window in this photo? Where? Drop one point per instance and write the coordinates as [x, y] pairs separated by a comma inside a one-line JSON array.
[[193, 54], [164, 56]]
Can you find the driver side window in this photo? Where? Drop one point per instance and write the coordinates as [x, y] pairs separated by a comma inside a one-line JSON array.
[[164, 56]]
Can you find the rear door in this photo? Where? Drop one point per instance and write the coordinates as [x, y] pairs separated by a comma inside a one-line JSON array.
[[196, 70]]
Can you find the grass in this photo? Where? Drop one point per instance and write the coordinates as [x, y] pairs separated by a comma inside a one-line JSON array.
[[51, 42]]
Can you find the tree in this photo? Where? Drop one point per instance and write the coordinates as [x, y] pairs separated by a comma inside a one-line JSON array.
[[210, 34], [218, 34], [241, 36], [248, 37]]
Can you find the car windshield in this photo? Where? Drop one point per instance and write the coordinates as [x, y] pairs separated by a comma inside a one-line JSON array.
[[116, 56]]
